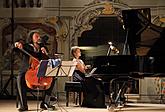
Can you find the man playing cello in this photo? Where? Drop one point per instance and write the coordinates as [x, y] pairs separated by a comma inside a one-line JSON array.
[[34, 51]]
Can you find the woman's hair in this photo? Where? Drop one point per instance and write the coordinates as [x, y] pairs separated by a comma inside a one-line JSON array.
[[30, 35], [74, 49]]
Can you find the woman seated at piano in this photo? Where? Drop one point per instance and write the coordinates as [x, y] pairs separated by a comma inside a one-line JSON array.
[[92, 87], [80, 71]]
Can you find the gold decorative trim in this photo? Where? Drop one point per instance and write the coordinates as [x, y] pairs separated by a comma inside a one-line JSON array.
[[162, 19], [108, 9]]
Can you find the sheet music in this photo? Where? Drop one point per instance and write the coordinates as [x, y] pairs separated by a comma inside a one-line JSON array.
[[66, 69], [92, 71], [51, 71]]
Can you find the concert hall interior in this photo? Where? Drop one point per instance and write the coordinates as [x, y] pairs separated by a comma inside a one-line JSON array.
[[82, 55]]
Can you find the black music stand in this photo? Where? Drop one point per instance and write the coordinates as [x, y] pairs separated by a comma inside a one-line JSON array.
[[43, 69], [65, 69]]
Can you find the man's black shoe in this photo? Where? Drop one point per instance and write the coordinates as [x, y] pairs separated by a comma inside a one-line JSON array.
[[45, 106], [23, 109]]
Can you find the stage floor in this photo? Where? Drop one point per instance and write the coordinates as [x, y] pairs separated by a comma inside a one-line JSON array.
[[10, 106]]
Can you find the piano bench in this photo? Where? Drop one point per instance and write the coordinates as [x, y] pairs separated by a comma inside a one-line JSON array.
[[75, 87]]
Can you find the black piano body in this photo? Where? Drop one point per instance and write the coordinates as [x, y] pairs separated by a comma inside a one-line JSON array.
[[137, 22], [115, 64], [129, 65], [133, 64]]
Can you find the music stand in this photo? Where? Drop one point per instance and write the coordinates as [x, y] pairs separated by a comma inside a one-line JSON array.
[[44, 66], [46, 69], [65, 69]]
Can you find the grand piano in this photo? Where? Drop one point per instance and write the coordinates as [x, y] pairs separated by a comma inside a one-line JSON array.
[[132, 63]]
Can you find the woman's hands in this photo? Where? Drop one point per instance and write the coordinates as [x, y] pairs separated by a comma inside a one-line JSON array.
[[81, 67]]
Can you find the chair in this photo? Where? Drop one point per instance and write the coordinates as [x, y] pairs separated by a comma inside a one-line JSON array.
[[75, 87]]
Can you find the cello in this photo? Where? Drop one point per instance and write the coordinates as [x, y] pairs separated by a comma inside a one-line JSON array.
[[32, 80]]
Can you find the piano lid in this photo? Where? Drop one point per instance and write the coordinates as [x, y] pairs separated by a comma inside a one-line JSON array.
[[144, 38]]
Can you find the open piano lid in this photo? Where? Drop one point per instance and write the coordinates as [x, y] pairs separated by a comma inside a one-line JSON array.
[[144, 38]]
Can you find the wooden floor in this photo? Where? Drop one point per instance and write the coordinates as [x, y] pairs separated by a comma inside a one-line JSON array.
[[10, 106]]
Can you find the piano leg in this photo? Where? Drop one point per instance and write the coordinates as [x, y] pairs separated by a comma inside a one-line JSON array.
[[118, 87]]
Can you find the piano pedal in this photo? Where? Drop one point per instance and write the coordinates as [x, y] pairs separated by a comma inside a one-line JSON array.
[[120, 105], [114, 109], [111, 108]]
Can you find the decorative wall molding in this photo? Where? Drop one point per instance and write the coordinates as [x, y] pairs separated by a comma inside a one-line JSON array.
[[60, 26], [4, 22]]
